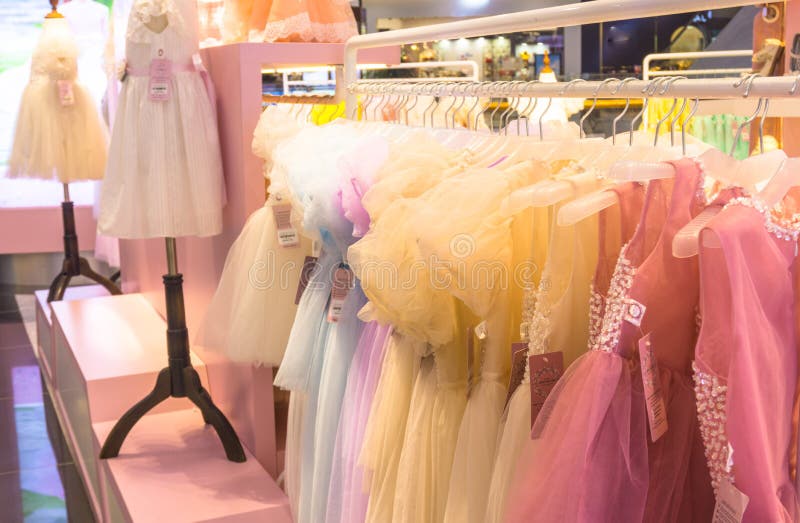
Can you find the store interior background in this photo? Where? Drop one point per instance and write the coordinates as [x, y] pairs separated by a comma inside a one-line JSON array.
[[615, 49]]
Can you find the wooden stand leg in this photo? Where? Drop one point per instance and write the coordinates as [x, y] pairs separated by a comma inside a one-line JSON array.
[[74, 264], [179, 379]]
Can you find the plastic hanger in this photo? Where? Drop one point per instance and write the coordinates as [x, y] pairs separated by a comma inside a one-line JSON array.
[[726, 169]]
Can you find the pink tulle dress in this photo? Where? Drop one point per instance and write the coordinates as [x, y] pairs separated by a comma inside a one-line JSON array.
[[745, 359], [590, 457]]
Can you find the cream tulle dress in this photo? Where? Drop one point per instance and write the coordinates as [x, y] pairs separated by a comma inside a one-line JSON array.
[[252, 311], [479, 247], [59, 134], [406, 462]]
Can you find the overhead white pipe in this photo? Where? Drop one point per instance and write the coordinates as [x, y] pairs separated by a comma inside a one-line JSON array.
[[536, 19]]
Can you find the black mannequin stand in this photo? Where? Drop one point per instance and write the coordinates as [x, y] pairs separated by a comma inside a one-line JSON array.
[[74, 264], [179, 379]]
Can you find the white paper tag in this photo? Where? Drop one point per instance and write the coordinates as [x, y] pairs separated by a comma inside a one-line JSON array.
[[342, 283], [634, 312], [287, 234], [654, 396], [731, 504], [480, 330], [160, 76]]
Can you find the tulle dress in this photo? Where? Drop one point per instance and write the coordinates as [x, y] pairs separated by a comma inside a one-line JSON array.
[[58, 134], [590, 457], [746, 362], [476, 246], [328, 21], [348, 495], [253, 308], [164, 174], [318, 351], [553, 317], [407, 462]]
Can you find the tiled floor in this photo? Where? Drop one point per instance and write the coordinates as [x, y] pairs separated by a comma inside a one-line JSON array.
[[38, 478]]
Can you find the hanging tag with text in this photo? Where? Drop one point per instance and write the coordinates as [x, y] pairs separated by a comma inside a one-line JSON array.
[[342, 283], [654, 396], [546, 369], [309, 264], [287, 234], [160, 78], [731, 503]]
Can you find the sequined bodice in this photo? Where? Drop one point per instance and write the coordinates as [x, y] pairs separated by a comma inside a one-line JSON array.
[[617, 305]]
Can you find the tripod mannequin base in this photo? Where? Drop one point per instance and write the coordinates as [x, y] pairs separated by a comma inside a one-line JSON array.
[[163, 390], [68, 271]]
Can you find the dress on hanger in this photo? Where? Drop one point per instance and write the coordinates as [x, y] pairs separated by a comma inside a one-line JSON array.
[[252, 310], [164, 175], [59, 134], [329, 21], [590, 457], [745, 359]]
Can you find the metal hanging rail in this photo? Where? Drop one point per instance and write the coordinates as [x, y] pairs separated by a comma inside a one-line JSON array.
[[536, 19], [694, 55], [714, 88]]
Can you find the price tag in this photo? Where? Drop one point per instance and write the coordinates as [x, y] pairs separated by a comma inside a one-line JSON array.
[[731, 504], [160, 77], [65, 93], [546, 369], [480, 330], [309, 264], [654, 396], [634, 312], [287, 234], [342, 283]]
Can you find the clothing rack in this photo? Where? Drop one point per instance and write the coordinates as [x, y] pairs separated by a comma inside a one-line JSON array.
[[546, 18], [716, 88]]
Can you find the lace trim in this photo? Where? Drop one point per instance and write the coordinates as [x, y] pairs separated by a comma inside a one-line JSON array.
[[783, 229], [308, 31], [143, 11], [616, 305], [596, 310], [711, 414]]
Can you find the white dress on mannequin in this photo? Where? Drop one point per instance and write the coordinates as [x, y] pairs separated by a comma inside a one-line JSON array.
[[164, 176], [59, 134]]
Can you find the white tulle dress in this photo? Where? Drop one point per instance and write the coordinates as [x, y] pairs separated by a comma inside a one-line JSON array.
[[164, 175], [59, 134], [252, 310]]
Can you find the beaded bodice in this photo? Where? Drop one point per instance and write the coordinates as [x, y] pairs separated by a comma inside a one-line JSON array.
[[607, 323]]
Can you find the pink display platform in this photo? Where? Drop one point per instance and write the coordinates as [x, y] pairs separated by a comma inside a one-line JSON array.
[[106, 354], [44, 323], [172, 468], [244, 393]]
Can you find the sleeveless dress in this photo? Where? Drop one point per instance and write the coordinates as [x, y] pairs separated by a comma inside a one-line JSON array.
[[551, 322], [58, 134], [590, 457], [746, 360], [164, 174]]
